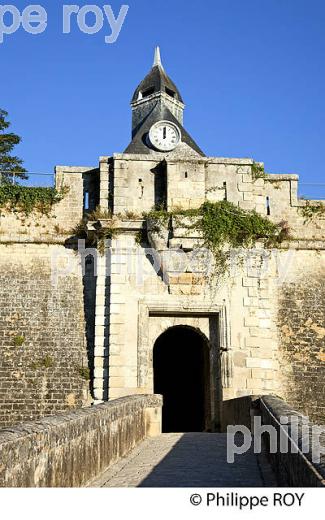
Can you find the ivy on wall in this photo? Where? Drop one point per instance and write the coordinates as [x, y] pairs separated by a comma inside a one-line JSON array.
[[221, 225], [22, 199], [224, 224]]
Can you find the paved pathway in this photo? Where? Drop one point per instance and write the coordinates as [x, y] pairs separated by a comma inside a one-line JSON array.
[[186, 460]]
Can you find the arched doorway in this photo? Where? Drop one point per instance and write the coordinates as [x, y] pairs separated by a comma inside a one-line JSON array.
[[182, 375]]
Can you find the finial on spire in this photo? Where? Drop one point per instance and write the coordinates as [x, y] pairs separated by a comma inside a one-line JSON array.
[[157, 60]]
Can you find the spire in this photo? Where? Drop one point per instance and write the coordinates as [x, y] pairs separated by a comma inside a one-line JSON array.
[[156, 81], [157, 60]]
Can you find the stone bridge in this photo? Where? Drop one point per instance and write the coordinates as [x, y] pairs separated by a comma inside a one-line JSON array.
[[120, 444]]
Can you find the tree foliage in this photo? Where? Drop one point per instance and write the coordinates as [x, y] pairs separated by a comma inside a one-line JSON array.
[[10, 165]]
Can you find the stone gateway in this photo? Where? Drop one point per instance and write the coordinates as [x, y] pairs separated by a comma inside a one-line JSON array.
[[128, 288]]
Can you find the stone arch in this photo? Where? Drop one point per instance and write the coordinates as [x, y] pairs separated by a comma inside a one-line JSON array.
[[181, 369]]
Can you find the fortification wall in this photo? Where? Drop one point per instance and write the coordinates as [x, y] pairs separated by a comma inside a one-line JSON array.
[[301, 329], [59, 223], [43, 350], [137, 183]]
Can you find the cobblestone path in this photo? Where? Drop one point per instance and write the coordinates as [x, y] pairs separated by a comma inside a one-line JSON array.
[[187, 460]]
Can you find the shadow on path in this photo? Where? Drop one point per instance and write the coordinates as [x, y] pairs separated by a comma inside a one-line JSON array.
[[200, 460], [187, 460]]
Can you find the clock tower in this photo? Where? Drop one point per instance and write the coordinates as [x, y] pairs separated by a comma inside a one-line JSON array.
[[157, 117]]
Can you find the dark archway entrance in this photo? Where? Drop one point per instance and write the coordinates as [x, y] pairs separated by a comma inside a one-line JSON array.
[[182, 376]]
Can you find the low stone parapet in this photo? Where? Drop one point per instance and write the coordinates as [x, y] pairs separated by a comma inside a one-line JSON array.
[[71, 449], [301, 464], [238, 411]]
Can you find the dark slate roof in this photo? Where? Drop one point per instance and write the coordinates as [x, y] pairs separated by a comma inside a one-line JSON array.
[[159, 113], [157, 80]]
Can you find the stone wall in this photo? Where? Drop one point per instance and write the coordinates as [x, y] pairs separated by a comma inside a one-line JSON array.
[[43, 349], [301, 324], [65, 215], [246, 303], [259, 300], [238, 411], [135, 185], [289, 441], [69, 450], [46, 306], [300, 464], [237, 315], [271, 314]]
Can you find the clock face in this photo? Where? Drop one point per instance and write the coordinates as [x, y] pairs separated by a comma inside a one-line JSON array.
[[164, 136]]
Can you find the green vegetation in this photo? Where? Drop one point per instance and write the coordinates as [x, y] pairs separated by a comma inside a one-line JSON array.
[[224, 224], [163, 215], [141, 237], [19, 340], [9, 165], [20, 199], [46, 362], [258, 171], [312, 210], [84, 373], [130, 215], [99, 214], [25, 200], [100, 235]]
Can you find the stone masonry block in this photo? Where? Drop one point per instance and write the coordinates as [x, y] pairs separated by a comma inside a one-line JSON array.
[[253, 363], [251, 322], [250, 282]]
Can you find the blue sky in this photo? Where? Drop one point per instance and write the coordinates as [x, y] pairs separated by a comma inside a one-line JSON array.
[[252, 74]]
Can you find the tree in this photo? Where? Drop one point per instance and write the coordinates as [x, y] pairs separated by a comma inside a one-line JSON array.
[[10, 165]]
